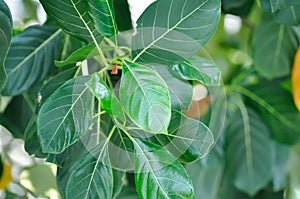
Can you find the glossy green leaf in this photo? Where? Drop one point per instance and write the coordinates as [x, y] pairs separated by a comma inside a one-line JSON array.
[[77, 56], [30, 57], [118, 182], [248, 151], [187, 139], [277, 41], [200, 69], [70, 108], [171, 31], [109, 102], [279, 113], [206, 175], [275, 5], [289, 15], [122, 15], [145, 97], [73, 18], [102, 14], [181, 91], [91, 177], [5, 38], [158, 174]]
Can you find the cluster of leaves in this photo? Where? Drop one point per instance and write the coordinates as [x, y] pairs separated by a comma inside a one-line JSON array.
[[111, 106], [101, 102]]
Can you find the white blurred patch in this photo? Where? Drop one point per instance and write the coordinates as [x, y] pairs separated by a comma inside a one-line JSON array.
[[200, 92], [137, 7], [232, 24]]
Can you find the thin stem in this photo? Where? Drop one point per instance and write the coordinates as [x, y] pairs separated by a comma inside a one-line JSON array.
[[78, 70], [98, 122]]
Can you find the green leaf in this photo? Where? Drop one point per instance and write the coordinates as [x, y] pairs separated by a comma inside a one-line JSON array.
[[122, 15], [91, 177], [145, 97], [158, 174], [118, 182], [293, 176], [171, 31], [279, 42], [181, 91], [5, 38], [102, 13], [187, 139], [237, 7], [109, 102], [200, 69], [275, 5], [248, 151], [206, 175], [289, 15], [73, 18], [70, 110], [279, 113], [30, 57], [77, 56]]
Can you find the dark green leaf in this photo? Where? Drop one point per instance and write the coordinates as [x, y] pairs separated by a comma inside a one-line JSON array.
[[122, 14], [145, 97], [5, 38], [181, 91], [77, 56], [275, 5], [278, 110], [171, 31], [237, 7], [73, 18], [118, 182], [91, 177], [109, 102], [200, 69], [158, 174], [187, 139], [279, 43], [289, 15], [65, 116], [248, 151], [102, 13], [31, 55]]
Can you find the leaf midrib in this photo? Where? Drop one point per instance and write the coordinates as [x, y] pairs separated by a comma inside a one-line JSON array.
[[167, 32]]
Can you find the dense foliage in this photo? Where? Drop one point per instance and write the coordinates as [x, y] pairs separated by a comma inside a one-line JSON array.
[[112, 103]]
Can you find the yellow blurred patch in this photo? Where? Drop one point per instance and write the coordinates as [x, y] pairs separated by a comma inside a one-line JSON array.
[[296, 79], [6, 177]]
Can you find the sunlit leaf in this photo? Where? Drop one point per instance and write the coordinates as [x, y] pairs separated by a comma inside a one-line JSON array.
[[145, 97], [5, 38], [158, 174]]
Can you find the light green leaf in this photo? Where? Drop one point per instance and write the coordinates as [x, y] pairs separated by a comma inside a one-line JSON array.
[[70, 110], [187, 139], [181, 91], [200, 69], [158, 174], [293, 176], [145, 97], [73, 18], [30, 57], [77, 56], [92, 176], [248, 151], [109, 102], [102, 13], [5, 38], [174, 30], [279, 42]]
